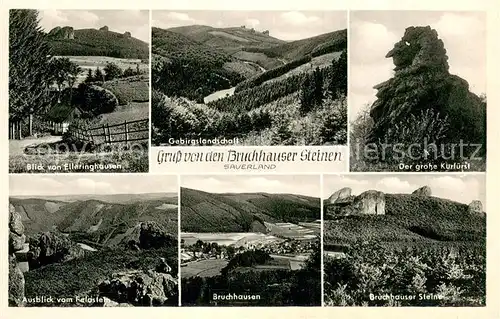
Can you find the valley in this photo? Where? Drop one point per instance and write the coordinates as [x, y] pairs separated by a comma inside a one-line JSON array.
[[237, 82], [81, 246], [257, 235]]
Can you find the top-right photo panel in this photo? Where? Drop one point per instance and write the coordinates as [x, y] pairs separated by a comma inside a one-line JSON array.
[[417, 91]]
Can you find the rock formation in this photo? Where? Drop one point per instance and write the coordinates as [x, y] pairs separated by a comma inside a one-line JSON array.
[[104, 28], [127, 34], [423, 191], [16, 245], [340, 194], [139, 288], [421, 91], [62, 33], [52, 247], [370, 202], [476, 207]]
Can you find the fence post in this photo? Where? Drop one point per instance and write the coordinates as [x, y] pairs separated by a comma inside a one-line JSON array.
[[109, 134], [104, 133], [126, 133]]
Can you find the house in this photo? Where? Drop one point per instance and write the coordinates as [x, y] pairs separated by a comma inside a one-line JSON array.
[[61, 115]]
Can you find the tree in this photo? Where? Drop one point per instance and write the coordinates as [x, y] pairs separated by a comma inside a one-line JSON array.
[[29, 77], [338, 76], [307, 95], [112, 71], [318, 87], [128, 72], [90, 76], [99, 76], [73, 72]]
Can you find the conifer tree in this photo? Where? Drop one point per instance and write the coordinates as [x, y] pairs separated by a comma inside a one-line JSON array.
[[29, 76]]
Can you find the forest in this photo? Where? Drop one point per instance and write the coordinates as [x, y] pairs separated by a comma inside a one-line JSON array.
[[308, 108]]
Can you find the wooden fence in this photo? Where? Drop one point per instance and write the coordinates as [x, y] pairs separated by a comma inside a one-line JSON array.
[[126, 132]]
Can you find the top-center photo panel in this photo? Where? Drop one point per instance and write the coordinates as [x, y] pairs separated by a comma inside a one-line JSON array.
[[249, 78]]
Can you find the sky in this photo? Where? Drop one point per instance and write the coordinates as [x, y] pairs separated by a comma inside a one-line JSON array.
[[373, 34], [134, 21], [284, 25], [459, 188], [50, 185], [308, 185]]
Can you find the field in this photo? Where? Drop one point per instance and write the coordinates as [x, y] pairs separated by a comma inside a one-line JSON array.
[[94, 62], [227, 239], [203, 268], [131, 112]]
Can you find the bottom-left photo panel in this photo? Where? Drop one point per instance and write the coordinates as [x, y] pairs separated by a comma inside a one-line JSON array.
[[93, 240]]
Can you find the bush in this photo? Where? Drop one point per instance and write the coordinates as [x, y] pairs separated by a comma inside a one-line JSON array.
[[96, 100]]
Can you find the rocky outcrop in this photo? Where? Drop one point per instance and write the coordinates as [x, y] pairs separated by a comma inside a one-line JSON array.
[[139, 288], [16, 245], [476, 207], [52, 247], [370, 202], [340, 194], [104, 28], [62, 33], [423, 101], [127, 34], [423, 191]]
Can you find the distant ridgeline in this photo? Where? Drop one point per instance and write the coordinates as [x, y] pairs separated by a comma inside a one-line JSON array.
[[67, 41], [204, 59]]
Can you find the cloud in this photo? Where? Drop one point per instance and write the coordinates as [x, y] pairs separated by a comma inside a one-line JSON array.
[[370, 42], [50, 19], [298, 18], [459, 25], [394, 185], [254, 23]]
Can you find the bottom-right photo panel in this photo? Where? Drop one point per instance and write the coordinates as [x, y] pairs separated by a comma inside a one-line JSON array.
[[404, 240]]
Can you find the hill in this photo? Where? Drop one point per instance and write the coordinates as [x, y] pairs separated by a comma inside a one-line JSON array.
[[246, 212], [92, 42], [244, 84], [409, 218], [102, 222]]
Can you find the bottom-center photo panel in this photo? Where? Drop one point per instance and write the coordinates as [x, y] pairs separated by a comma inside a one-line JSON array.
[[250, 240]]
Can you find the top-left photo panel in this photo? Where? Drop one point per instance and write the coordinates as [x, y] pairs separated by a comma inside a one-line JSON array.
[[79, 91]]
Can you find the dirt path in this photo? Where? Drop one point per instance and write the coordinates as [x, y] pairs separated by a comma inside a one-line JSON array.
[[16, 147]]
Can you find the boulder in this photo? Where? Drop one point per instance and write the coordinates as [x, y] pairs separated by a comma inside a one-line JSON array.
[[138, 288], [370, 202], [52, 247], [16, 242], [340, 194], [423, 103], [16, 284], [62, 33], [163, 267], [15, 221], [423, 191], [476, 207]]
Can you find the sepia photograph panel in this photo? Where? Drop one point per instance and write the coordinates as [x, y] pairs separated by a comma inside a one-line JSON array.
[[250, 241], [417, 91], [99, 241], [78, 91], [249, 78], [404, 240]]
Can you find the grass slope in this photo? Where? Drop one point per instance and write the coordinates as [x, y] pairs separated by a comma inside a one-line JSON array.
[[410, 218], [92, 42], [208, 212]]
